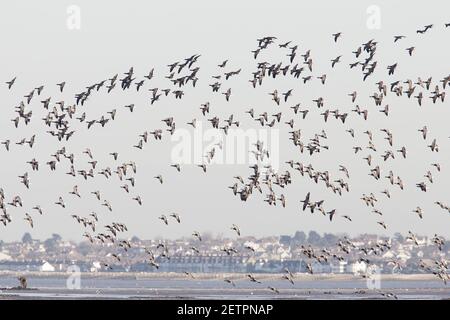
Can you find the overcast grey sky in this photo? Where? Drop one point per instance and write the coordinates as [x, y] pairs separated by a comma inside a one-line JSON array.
[[39, 49]]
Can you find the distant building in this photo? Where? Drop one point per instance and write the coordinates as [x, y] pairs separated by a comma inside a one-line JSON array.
[[403, 255], [47, 267], [5, 257], [357, 267], [96, 266], [339, 267]]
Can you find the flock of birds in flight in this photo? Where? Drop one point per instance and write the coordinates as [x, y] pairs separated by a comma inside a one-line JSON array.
[[61, 116]]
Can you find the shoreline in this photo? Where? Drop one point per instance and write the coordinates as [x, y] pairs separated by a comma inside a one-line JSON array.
[[213, 276]]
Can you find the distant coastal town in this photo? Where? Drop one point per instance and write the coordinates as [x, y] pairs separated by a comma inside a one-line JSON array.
[[301, 253]]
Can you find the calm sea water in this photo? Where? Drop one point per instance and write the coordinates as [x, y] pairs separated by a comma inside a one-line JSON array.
[[122, 288]]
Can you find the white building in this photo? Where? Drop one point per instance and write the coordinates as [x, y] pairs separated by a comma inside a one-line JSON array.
[[4, 257], [340, 267], [96, 266], [357, 267], [46, 267]]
